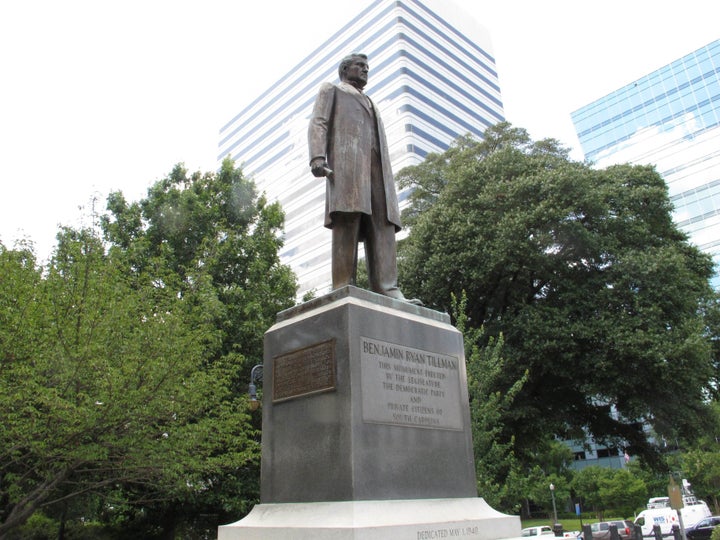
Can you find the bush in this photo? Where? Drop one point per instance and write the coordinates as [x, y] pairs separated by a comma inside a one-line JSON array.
[[41, 527], [37, 527]]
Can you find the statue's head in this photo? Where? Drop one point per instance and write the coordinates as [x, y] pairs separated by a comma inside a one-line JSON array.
[[353, 69]]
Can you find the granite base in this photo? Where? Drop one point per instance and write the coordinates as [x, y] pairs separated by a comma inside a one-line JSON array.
[[428, 519]]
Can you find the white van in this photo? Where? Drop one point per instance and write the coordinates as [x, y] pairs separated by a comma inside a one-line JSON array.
[[666, 517]]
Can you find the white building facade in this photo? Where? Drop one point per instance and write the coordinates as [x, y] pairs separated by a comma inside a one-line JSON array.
[[433, 77]]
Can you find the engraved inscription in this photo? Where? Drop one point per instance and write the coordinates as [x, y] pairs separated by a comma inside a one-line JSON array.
[[406, 386], [450, 532], [303, 372]]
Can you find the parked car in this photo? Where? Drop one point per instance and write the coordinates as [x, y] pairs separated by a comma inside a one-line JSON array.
[[537, 531], [703, 528], [601, 530]]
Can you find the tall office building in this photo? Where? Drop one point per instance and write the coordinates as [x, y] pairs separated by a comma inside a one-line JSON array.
[[669, 118], [432, 76]]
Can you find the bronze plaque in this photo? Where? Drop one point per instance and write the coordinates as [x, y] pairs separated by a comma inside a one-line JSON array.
[[303, 372]]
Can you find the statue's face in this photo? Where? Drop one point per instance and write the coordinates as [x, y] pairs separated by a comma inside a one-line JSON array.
[[357, 72]]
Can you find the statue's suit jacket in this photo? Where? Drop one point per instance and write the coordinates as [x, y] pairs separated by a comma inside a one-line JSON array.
[[341, 130]]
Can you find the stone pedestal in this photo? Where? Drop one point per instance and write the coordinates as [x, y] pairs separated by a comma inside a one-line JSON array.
[[366, 418], [428, 519]]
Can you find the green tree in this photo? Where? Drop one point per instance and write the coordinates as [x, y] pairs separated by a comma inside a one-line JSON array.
[[529, 485], [136, 353], [212, 241], [495, 462], [209, 231], [548, 463], [586, 485], [655, 479], [622, 492], [597, 294], [503, 480], [105, 384], [701, 466]]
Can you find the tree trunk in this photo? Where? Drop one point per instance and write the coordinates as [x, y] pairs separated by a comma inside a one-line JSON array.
[[63, 519], [168, 524]]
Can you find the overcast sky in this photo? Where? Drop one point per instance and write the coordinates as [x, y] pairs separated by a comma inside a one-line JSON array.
[[101, 95]]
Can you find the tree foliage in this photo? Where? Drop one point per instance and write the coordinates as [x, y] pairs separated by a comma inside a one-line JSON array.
[[102, 382], [123, 363], [599, 297], [620, 491], [586, 483], [209, 234], [209, 239], [623, 492], [505, 481], [700, 464], [494, 458]]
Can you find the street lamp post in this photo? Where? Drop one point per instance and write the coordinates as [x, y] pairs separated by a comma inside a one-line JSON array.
[[552, 494]]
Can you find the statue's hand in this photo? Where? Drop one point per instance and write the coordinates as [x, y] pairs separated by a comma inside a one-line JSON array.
[[319, 167]]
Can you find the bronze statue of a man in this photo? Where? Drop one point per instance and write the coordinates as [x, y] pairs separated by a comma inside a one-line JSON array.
[[347, 145]]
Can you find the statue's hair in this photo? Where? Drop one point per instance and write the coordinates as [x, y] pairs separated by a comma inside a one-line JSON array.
[[345, 62]]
